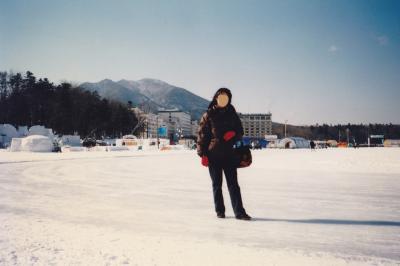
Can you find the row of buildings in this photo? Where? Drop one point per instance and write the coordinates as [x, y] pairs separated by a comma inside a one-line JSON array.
[[175, 124]]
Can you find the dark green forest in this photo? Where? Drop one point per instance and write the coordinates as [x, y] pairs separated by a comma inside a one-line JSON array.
[[67, 109]]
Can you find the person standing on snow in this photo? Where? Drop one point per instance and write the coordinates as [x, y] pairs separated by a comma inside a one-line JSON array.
[[219, 128]]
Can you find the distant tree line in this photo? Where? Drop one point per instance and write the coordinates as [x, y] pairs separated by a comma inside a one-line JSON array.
[[67, 109], [356, 132]]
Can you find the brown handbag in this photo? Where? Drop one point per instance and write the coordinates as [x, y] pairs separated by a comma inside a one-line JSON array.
[[243, 155]]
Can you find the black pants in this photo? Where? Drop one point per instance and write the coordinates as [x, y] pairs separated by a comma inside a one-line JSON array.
[[230, 171]]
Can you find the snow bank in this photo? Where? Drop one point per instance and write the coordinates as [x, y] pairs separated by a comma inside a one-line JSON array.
[[33, 143], [72, 149], [15, 144], [23, 131], [7, 132], [97, 148], [117, 148], [41, 130], [178, 147]]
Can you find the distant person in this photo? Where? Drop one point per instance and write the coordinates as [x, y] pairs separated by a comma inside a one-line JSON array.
[[220, 127], [355, 144], [312, 145]]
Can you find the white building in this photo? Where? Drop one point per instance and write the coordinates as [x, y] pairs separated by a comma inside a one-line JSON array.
[[256, 125], [195, 127], [177, 121]]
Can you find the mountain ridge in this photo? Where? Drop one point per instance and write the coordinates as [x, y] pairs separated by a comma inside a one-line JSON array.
[[150, 94]]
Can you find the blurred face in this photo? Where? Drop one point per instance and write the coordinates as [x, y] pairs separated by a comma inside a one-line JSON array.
[[222, 100]]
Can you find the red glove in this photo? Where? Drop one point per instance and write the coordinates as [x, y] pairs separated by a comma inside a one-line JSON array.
[[229, 134], [204, 160]]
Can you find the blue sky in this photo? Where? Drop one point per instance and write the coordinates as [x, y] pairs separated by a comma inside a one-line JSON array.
[[305, 61]]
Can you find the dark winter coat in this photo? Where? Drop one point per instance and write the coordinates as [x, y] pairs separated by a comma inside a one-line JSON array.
[[213, 125]]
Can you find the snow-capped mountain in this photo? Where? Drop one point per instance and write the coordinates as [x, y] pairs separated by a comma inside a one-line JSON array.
[[152, 93]]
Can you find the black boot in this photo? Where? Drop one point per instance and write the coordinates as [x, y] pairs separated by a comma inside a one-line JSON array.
[[243, 216], [221, 215]]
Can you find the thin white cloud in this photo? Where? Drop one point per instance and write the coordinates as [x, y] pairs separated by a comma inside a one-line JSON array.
[[333, 48], [383, 40]]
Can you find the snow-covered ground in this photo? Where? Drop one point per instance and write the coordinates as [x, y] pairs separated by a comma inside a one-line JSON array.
[[328, 207]]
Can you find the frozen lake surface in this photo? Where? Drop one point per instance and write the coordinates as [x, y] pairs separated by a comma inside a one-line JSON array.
[[328, 207]]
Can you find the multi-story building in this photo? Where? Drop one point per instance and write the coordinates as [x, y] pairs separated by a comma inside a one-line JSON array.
[[178, 122], [256, 125]]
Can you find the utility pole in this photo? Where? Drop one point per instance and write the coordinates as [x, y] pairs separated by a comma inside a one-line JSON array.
[[158, 142], [147, 127], [285, 127]]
